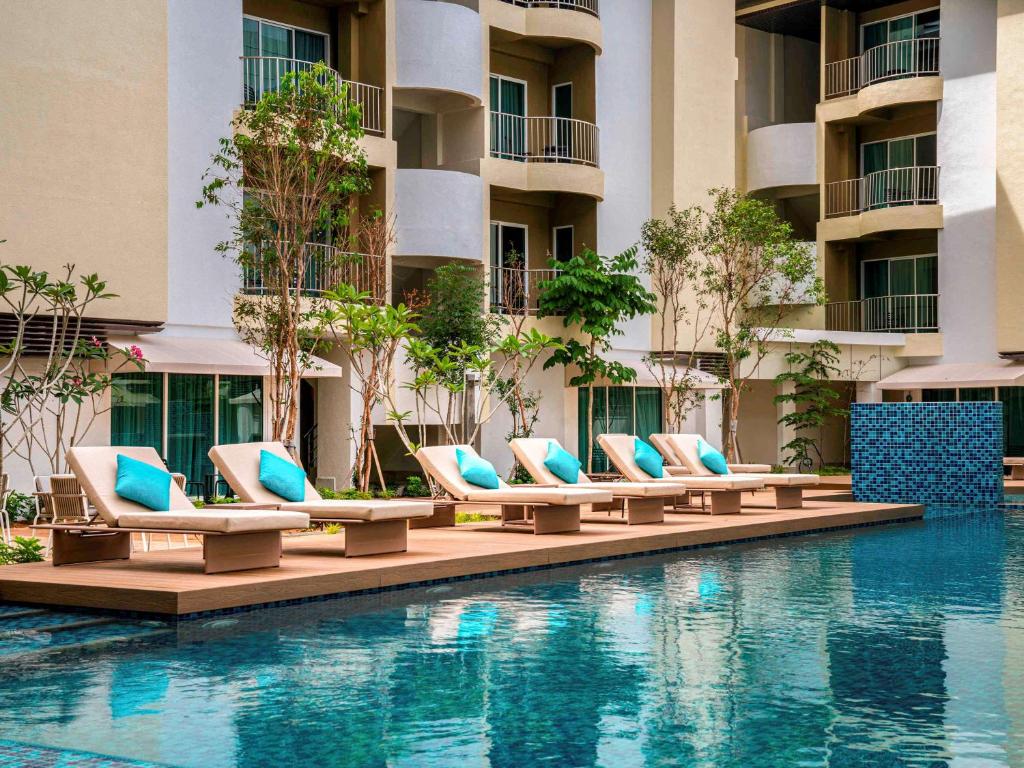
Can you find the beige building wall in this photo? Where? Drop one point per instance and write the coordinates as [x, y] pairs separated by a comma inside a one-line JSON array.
[[83, 158], [1009, 176]]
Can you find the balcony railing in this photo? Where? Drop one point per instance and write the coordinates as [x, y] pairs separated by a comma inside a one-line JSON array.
[[326, 267], [914, 185], [889, 61], [915, 313], [262, 74], [516, 291], [585, 6], [543, 139]]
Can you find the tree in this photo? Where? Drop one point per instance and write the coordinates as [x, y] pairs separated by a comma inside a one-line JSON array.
[[53, 380], [286, 177], [594, 295], [752, 272], [813, 400], [454, 312], [671, 246]]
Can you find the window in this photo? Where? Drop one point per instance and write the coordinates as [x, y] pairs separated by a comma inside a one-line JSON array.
[[900, 294], [630, 410], [509, 285], [562, 238], [137, 410], [272, 50], [899, 171], [508, 113], [911, 27], [240, 409]]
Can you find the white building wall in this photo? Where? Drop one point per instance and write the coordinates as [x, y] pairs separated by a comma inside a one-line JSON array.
[[967, 181], [204, 78]]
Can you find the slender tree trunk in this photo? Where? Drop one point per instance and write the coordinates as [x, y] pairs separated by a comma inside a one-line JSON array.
[[590, 428]]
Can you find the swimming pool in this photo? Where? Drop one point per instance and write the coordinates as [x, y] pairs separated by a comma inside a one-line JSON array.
[[894, 645]]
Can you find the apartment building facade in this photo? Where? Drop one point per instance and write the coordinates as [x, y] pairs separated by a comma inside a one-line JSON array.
[[502, 132]]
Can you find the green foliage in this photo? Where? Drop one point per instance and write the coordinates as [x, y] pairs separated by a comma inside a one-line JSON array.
[[21, 550], [473, 517], [20, 507], [347, 494], [332, 529], [454, 316], [416, 487], [832, 470], [813, 399]]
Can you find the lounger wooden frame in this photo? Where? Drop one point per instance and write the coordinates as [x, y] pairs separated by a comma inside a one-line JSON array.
[[536, 516], [222, 552]]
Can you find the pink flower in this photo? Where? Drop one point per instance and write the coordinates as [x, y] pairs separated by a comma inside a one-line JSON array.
[[96, 342], [135, 352], [77, 381]]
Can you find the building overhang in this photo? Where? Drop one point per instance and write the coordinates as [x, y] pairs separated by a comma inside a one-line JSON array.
[[955, 376]]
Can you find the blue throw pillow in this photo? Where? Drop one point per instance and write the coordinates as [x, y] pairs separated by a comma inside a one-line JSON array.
[[282, 477], [562, 464], [711, 458], [476, 471], [141, 482], [648, 459]]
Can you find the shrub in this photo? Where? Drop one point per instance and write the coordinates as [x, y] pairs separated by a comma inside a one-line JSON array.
[[22, 550], [415, 486], [21, 507], [332, 529], [347, 494]]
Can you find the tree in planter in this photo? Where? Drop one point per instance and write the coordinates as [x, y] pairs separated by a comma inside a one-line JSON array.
[[595, 295], [671, 246], [752, 273], [813, 399], [296, 156], [52, 392]]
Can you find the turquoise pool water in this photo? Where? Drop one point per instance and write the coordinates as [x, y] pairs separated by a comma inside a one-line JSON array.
[[888, 646]]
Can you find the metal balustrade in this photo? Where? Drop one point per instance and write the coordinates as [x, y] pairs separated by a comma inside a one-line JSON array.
[[585, 6], [543, 139], [913, 185], [263, 74], [515, 290], [913, 313], [889, 61], [327, 267]]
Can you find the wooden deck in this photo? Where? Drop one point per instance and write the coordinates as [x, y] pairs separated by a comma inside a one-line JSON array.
[[171, 581]]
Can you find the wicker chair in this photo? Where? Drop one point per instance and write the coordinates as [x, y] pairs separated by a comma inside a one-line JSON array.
[[60, 500]]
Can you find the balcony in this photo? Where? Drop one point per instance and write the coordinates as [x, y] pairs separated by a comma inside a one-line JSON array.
[[516, 291], [326, 268], [262, 74], [913, 185], [918, 313], [438, 56], [439, 216], [891, 61], [584, 6], [544, 139], [782, 159]]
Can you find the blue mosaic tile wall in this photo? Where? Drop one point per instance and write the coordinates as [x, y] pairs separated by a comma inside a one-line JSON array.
[[927, 453]]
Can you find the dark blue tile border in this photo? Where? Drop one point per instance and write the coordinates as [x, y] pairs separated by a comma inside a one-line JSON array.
[[14, 754]]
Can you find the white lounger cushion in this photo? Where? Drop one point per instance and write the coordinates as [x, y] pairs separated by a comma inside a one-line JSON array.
[[666, 446], [369, 510], [440, 462], [620, 449], [531, 452], [240, 466], [685, 447], [215, 520], [96, 469]]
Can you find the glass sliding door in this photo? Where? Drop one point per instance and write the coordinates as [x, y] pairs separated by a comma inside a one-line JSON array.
[[280, 49], [899, 171], [508, 118], [890, 47], [190, 425], [509, 284], [900, 294], [627, 410], [137, 410], [1012, 399], [561, 102], [240, 409]]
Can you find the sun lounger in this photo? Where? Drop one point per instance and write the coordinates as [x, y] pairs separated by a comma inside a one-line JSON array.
[[638, 502], [232, 541], [372, 527], [788, 486], [725, 490], [1016, 465], [544, 509], [677, 467]]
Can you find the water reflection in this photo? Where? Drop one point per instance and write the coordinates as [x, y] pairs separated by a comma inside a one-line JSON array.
[[890, 646]]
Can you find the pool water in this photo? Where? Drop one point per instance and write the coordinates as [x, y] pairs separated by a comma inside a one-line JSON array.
[[888, 646]]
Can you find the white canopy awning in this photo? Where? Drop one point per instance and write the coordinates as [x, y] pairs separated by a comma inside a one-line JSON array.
[[228, 357], [955, 376]]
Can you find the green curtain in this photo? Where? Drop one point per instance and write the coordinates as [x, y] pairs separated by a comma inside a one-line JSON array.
[[513, 102], [190, 425], [648, 412], [938, 395], [927, 274], [310, 47], [875, 34], [1013, 420], [902, 274], [137, 412], [977, 394], [240, 407], [876, 279]]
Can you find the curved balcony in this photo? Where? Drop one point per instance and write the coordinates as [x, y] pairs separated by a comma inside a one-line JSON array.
[[782, 158], [890, 200], [545, 154], [439, 216], [439, 56], [263, 74], [564, 21], [901, 72], [326, 267], [912, 313]]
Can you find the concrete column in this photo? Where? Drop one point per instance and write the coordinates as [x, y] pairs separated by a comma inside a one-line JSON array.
[[709, 421], [784, 433], [868, 392], [337, 415]]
